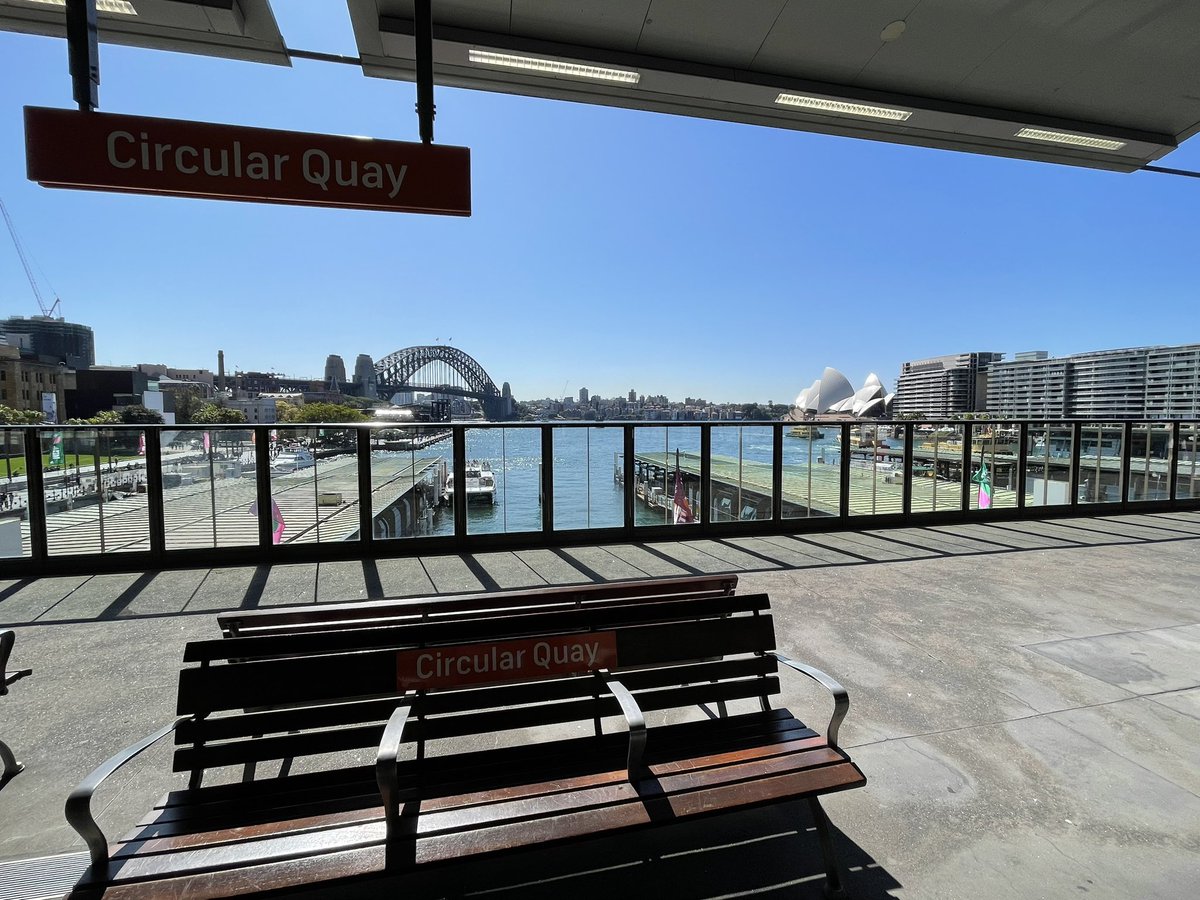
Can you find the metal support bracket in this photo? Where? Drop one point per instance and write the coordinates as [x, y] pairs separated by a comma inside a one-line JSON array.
[[423, 21], [83, 53]]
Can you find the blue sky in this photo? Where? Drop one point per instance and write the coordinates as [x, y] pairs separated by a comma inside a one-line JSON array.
[[608, 249]]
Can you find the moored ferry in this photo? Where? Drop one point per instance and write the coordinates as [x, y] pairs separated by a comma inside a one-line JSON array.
[[481, 483]]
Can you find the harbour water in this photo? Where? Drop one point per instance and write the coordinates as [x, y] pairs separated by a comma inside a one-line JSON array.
[[586, 494]]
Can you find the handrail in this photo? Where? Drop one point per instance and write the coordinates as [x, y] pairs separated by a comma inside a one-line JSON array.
[[1059, 467]]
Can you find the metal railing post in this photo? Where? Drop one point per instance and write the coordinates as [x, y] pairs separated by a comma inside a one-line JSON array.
[[1173, 460], [966, 468], [262, 486], [1127, 460], [777, 473], [366, 504], [1022, 463], [1076, 458], [459, 468], [35, 491], [906, 469], [547, 475], [155, 508], [844, 472], [627, 464], [705, 473]]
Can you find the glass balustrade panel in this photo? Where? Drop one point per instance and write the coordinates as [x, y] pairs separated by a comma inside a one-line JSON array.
[[409, 470], [589, 473], [666, 475], [503, 484], [740, 481], [811, 470]]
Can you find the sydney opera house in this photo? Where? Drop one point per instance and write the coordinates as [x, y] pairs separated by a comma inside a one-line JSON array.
[[832, 395]]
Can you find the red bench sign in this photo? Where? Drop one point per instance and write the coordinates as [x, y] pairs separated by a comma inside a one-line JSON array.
[[105, 152], [494, 662]]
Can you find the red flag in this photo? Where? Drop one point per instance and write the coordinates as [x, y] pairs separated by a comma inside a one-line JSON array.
[[683, 511]]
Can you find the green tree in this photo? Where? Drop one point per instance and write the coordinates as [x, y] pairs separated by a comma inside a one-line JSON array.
[[211, 414], [136, 414], [285, 411], [10, 416], [188, 402], [327, 412]]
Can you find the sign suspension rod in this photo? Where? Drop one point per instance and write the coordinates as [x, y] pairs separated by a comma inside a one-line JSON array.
[[423, 22], [83, 53]]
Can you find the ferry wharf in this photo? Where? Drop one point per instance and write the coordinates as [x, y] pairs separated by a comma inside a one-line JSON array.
[[1025, 704]]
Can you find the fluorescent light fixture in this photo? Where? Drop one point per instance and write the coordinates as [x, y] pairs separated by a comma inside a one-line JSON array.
[[552, 67], [119, 7], [1075, 140], [820, 104]]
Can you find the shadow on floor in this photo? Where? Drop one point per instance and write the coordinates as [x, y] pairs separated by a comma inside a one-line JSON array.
[[708, 555]]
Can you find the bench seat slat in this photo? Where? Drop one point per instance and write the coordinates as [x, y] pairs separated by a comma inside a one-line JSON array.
[[533, 799], [476, 771], [573, 813]]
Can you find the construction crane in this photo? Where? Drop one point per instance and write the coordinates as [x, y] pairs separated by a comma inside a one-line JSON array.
[[12, 230]]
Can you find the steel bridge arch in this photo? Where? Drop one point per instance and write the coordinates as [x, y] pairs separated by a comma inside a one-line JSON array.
[[395, 369]]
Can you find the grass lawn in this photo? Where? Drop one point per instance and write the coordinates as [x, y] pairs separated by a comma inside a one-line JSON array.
[[87, 463]]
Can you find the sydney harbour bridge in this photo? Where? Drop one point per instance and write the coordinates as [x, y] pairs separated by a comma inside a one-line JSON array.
[[442, 369]]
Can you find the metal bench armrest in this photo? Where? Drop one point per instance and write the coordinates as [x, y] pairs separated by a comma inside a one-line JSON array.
[[387, 773], [79, 803], [634, 720], [841, 699]]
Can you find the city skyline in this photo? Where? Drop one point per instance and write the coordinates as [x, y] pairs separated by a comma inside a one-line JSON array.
[[609, 248]]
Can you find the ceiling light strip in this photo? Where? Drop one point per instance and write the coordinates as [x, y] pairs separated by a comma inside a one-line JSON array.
[[120, 7], [1075, 140], [553, 67], [841, 107]]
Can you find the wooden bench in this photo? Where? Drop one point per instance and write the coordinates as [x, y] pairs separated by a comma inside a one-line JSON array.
[[375, 613], [411, 694], [8, 763]]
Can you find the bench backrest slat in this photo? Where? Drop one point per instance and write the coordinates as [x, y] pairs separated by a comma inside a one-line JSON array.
[[262, 722], [211, 755], [347, 675], [349, 615], [474, 627]]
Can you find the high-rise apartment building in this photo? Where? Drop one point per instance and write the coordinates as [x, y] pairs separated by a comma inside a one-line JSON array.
[[1028, 388], [583, 395], [944, 385], [1139, 382]]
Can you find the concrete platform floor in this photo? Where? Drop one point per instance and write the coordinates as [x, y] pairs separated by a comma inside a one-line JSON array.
[[1025, 705]]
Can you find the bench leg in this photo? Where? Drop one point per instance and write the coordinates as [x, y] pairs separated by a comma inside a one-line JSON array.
[[8, 763], [833, 872]]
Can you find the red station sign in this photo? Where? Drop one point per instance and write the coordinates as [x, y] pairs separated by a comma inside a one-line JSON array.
[[497, 662], [136, 154]]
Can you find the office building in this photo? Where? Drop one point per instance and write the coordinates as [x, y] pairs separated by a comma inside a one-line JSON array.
[[944, 385]]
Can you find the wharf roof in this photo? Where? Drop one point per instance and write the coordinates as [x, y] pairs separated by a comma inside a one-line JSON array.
[[1091, 83]]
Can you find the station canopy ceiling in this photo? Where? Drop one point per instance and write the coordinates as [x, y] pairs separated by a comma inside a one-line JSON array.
[[1111, 84]]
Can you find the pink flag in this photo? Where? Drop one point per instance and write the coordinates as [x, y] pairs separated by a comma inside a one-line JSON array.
[[142, 444], [207, 443], [277, 523]]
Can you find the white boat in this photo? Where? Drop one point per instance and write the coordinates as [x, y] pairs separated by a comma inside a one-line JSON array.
[[292, 460], [481, 483]]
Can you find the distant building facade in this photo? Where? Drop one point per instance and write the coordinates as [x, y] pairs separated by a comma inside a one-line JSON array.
[[944, 385], [28, 383], [52, 340], [1139, 382]]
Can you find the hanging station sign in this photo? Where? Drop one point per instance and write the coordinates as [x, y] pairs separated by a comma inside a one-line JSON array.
[[170, 157]]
